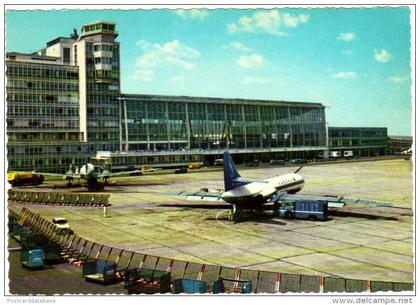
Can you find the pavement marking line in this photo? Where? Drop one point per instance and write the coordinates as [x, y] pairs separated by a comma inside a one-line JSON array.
[[206, 259], [325, 252], [148, 239], [308, 234]]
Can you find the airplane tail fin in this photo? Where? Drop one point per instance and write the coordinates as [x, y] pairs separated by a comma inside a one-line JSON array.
[[229, 171]]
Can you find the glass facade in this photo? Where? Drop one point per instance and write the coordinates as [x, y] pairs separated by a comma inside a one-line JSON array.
[[64, 105], [364, 141], [156, 123], [42, 116]]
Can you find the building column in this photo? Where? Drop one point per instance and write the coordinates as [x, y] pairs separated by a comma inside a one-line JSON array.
[[227, 127], [126, 125], [187, 118], [260, 126], [244, 125], [290, 127], [167, 125], [147, 126], [206, 127]]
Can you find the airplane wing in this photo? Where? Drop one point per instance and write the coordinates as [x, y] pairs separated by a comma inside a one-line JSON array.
[[245, 180], [64, 176], [333, 201], [204, 196], [107, 174]]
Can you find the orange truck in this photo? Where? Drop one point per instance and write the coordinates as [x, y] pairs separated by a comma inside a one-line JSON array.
[[21, 178], [195, 165]]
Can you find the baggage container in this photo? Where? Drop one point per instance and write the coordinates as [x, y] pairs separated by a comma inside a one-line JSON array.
[[100, 271], [189, 286], [147, 281], [32, 259], [225, 285]]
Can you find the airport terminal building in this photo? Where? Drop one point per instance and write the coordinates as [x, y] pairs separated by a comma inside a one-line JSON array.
[[64, 105]]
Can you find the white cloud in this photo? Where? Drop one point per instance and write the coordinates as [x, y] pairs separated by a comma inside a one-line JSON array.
[[382, 55], [347, 52], [192, 14], [346, 36], [397, 79], [255, 80], [344, 74], [250, 61], [271, 22], [156, 55], [177, 79], [143, 75], [239, 46]]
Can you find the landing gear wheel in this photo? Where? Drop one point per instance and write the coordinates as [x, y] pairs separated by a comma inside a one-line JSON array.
[[276, 208], [289, 215]]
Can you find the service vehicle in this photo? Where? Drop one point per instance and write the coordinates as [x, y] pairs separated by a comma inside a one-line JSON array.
[[62, 224], [195, 165], [22, 178], [298, 161], [277, 162], [305, 209], [335, 154], [218, 162], [348, 154], [252, 163]]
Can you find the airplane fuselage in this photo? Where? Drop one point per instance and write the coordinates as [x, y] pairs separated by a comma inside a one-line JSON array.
[[262, 191]]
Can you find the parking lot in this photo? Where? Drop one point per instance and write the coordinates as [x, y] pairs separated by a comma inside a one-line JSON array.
[[355, 242]]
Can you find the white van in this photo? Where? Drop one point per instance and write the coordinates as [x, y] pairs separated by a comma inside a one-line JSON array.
[[348, 154]]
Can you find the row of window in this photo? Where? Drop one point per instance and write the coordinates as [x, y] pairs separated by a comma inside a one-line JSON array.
[[362, 132], [103, 47], [99, 26], [42, 111], [14, 85], [45, 149], [42, 124], [50, 98], [44, 137], [41, 71]]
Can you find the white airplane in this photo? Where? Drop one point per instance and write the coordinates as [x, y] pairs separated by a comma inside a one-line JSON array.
[[92, 174], [247, 194], [240, 191]]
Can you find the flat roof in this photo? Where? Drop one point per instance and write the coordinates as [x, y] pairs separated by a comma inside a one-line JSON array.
[[58, 39], [218, 100], [335, 127]]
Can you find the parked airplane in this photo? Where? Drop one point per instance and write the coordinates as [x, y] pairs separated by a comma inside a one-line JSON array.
[[247, 194], [92, 174]]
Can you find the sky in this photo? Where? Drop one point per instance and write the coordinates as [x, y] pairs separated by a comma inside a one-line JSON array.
[[356, 62]]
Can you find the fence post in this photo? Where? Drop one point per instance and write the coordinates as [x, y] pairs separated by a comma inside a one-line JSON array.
[[368, 286], [321, 284], [129, 261], [141, 264], [278, 281], [81, 250], [200, 274], [258, 281], [99, 252], [109, 253], [185, 270], [237, 278], [171, 263], [156, 263], [90, 250], [117, 260]]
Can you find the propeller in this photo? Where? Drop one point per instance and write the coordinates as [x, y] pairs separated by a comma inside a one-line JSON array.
[[296, 171]]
